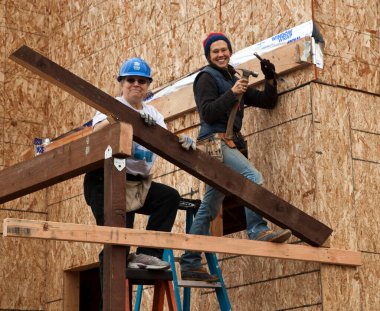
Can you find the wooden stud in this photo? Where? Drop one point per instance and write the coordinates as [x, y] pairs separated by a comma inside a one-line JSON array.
[[156, 239], [165, 144]]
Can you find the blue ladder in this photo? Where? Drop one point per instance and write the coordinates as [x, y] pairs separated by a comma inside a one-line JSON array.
[[191, 207]]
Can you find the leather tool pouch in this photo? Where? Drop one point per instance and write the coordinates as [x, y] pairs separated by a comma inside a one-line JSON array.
[[212, 146], [137, 192]]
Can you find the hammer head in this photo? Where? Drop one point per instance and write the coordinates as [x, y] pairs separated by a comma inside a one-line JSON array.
[[246, 73]]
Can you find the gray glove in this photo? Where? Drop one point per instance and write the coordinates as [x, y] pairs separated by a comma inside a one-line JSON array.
[[186, 142], [148, 118]]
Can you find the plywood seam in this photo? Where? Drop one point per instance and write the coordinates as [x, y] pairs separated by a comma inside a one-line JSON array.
[[346, 88], [365, 161], [279, 124], [23, 211], [274, 279]]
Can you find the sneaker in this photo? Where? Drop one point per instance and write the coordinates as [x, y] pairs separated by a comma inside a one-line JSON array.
[[143, 261], [198, 274], [274, 236]]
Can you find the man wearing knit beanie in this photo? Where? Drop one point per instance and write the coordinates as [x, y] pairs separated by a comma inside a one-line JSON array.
[[217, 90]]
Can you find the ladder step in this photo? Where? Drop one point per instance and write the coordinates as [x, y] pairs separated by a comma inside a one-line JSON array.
[[198, 284]]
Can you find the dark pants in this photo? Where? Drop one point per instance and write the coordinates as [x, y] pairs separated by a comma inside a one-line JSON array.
[[161, 205]]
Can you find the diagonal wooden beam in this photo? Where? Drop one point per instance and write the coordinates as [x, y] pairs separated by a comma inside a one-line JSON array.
[[166, 145], [64, 162], [121, 236]]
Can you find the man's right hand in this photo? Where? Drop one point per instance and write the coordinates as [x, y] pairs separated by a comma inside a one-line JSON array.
[[148, 118], [240, 87]]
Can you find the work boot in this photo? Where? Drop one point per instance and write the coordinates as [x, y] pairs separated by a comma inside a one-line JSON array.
[[274, 236], [143, 261], [199, 274]]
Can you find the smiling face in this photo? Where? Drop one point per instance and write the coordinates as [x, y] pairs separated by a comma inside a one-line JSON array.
[[220, 54], [135, 89]]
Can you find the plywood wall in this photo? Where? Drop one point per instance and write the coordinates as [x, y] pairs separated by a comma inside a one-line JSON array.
[[318, 149], [23, 100]]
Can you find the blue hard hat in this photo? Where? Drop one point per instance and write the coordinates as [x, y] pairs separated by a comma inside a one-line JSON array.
[[134, 67]]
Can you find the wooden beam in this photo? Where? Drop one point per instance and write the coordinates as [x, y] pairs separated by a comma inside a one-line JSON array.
[[64, 162], [165, 144], [287, 58], [133, 237], [114, 216]]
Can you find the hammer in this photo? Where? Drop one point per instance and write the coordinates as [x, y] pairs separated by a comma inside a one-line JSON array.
[[245, 73]]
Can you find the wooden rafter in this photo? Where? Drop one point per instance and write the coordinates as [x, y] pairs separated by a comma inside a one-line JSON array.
[[166, 145], [133, 237]]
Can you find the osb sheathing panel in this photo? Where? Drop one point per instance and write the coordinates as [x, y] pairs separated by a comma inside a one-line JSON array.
[[279, 294], [16, 38], [158, 17], [240, 270], [341, 288], [54, 306], [185, 121], [367, 198], [364, 112], [351, 59], [67, 189], [26, 19], [285, 157], [66, 255], [369, 276], [22, 268], [24, 99], [164, 54], [197, 29], [2, 56], [290, 106], [366, 146], [334, 191], [23, 133], [288, 14], [34, 202]]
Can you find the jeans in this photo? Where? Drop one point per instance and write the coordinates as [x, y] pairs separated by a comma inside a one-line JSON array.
[[213, 199]]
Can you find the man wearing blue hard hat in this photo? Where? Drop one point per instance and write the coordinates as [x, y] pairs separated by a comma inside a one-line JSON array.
[[144, 196]]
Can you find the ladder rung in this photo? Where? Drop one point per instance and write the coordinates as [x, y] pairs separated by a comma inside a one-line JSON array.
[[199, 284]]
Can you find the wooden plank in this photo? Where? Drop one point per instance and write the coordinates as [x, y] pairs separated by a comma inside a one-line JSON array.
[[165, 144], [69, 138], [133, 237], [114, 215], [287, 58], [64, 162]]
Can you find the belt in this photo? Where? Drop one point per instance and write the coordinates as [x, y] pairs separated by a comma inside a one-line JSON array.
[[230, 143], [135, 177]]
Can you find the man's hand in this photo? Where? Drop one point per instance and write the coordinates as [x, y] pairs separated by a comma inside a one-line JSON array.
[[147, 118], [268, 69], [186, 142]]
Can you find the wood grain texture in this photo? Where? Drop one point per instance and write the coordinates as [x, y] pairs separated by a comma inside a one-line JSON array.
[[157, 239]]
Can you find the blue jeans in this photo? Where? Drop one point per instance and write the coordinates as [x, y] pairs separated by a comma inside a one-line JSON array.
[[213, 199]]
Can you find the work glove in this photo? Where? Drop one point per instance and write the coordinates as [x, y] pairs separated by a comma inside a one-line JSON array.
[[268, 69], [147, 118], [186, 142]]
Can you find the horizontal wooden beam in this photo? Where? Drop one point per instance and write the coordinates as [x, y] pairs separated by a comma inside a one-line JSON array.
[[165, 144], [64, 162], [287, 58], [133, 237]]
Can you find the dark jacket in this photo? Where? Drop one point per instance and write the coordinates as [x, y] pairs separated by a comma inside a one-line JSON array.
[[214, 99]]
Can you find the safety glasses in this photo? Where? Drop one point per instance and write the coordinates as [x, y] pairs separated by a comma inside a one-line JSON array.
[[139, 81]]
